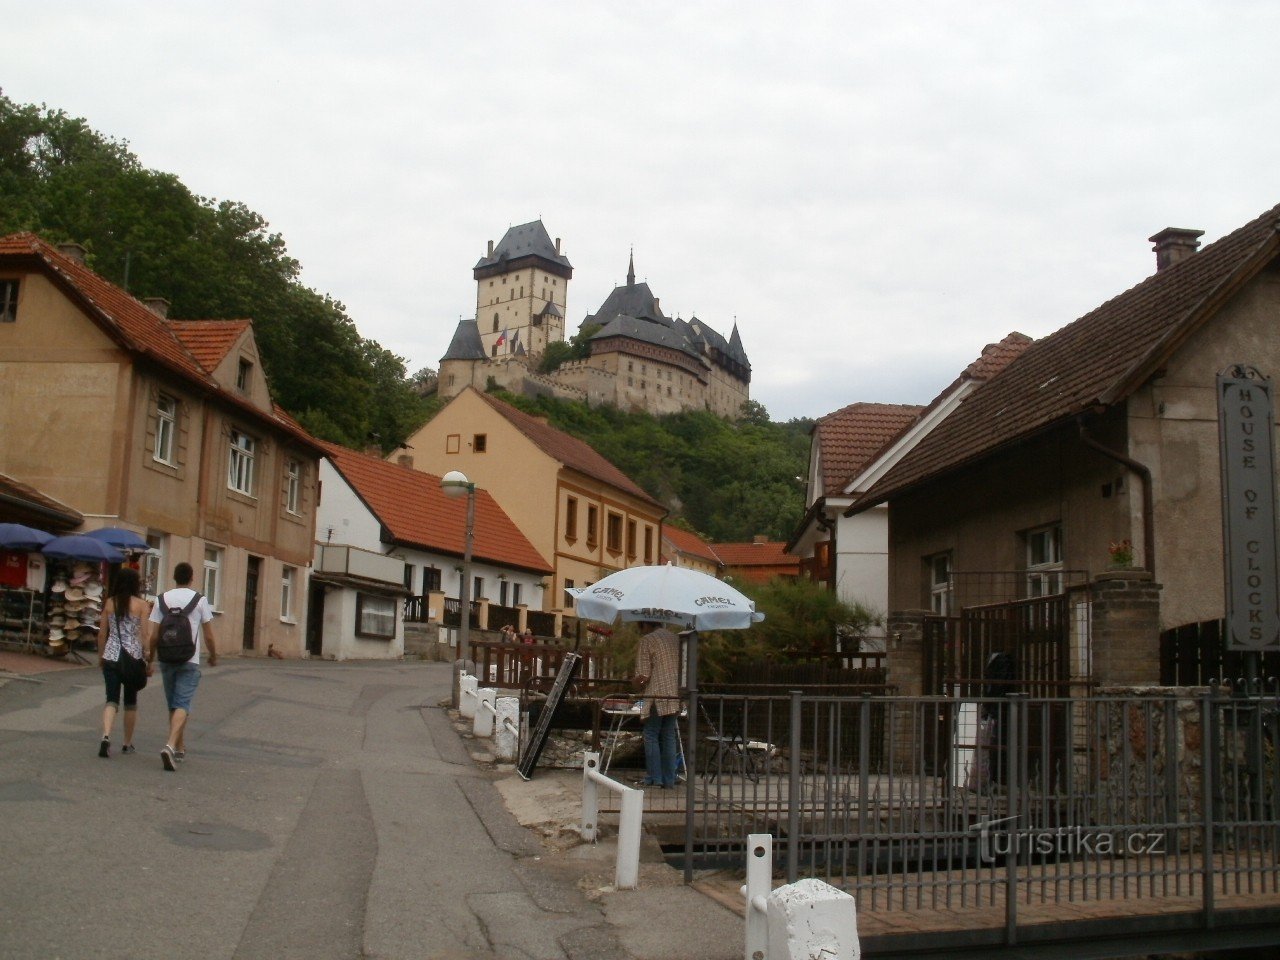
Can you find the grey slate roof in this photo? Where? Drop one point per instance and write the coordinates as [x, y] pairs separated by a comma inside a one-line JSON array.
[[632, 300], [466, 344], [528, 239], [661, 333]]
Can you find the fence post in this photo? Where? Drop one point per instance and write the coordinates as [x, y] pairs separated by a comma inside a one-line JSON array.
[[506, 741], [793, 791], [482, 721], [1013, 753], [1208, 771], [756, 890], [590, 796]]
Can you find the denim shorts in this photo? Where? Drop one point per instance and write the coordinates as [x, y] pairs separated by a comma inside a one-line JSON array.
[[180, 682]]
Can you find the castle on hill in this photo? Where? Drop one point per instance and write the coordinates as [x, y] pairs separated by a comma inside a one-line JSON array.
[[640, 359]]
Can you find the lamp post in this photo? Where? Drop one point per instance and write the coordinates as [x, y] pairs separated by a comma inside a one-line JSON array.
[[455, 484]]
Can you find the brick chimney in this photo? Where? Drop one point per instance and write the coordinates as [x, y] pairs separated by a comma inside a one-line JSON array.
[[1174, 244], [405, 460], [157, 305], [73, 251]]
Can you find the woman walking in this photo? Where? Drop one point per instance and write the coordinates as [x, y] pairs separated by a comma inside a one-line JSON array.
[[119, 639]]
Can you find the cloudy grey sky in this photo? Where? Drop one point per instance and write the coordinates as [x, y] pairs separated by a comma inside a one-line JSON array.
[[873, 190]]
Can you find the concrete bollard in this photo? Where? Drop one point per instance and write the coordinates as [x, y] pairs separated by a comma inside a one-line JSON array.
[[506, 738], [482, 723], [810, 919], [467, 696]]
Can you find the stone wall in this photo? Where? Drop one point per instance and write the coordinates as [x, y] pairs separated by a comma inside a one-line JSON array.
[[1125, 628]]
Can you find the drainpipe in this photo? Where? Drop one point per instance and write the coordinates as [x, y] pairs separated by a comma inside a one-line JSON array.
[[1148, 508]]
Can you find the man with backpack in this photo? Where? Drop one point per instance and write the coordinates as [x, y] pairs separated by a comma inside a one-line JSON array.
[[181, 623]]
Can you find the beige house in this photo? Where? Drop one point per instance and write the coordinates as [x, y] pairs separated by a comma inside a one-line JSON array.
[[1103, 432], [575, 508], [164, 428]]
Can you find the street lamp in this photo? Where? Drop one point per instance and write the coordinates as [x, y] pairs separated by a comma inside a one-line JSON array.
[[455, 484]]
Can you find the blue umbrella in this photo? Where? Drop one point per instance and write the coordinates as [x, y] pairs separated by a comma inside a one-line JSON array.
[[78, 547], [119, 538], [15, 536]]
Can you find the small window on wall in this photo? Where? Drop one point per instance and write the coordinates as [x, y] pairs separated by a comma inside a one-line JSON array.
[[431, 579], [613, 532], [453, 443], [1044, 561], [375, 617], [515, 594], [240, 462], [631, 538], [568, 600], [8, 301], [940, 591], [480, 442], [648, 544], [293, 486], [571, 518], [166, 429], [593, 524], [288, 583], [244, 375], [212, 576]]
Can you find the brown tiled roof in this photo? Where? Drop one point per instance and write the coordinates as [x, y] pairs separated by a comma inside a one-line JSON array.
[[850, 438], [209, 340], [690, 543], [569, 451], [414, 509], [1096, 361], [770, 553], [128, 321]]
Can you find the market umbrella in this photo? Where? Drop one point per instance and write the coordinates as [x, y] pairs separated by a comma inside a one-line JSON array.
[[119, 538], [677, 595], [79, 547], [15, 536], [667, 594]]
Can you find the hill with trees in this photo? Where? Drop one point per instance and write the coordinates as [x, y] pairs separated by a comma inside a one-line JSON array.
[[217, 259]]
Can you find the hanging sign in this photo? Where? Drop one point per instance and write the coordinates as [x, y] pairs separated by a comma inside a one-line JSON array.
[[1246, 433]]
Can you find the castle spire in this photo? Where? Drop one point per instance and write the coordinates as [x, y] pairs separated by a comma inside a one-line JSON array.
[[631, 269]]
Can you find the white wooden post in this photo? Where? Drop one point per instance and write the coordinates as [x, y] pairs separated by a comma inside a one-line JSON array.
[[756, 890], [467, 696]]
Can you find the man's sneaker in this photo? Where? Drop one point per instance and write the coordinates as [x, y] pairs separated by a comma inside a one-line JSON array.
[[179, 755], [104, 748], [166, 757], [128, 748]]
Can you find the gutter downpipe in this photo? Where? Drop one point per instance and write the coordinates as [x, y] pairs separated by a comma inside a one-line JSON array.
[[1148, 509]]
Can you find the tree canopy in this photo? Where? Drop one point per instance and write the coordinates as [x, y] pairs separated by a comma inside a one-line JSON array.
[[146, 232]]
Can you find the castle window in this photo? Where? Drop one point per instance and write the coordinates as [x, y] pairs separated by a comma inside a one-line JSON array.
[[495, 323]]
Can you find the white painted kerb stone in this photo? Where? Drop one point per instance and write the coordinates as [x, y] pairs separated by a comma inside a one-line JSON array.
[[812, 920]]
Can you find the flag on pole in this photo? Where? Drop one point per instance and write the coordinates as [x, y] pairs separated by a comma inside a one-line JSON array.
[[503, 338]]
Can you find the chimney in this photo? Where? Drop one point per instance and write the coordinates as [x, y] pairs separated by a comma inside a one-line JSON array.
[[490, 248], [405, 460], [557, 245], [758, 539], [157, 305], [73, 251], [1174, 244]]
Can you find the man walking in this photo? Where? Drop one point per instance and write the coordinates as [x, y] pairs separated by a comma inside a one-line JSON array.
[[181, 678]]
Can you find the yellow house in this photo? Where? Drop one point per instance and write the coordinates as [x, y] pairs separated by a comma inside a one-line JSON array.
[[574, 506], [163, 428]]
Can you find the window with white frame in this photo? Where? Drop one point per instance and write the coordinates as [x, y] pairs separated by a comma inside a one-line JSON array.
[[212, 575], [293, 486], [940, 583], [288, 582], [1044, 561], [240, 463], [375, 617], [166, 428]]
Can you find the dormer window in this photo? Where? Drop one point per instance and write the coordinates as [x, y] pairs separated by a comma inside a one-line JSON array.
[[8, 301], [244, 375]]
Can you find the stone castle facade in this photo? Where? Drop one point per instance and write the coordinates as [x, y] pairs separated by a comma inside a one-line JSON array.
[[639, 358]]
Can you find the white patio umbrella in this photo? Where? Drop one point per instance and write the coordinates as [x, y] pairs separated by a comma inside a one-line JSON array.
[[666, 594]]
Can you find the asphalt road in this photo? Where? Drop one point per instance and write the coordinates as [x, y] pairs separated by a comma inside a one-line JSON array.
[[325, 810]]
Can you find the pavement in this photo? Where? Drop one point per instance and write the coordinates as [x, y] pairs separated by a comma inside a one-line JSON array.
[[326, 810]]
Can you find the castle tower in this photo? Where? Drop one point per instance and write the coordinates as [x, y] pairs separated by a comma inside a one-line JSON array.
[[522, 288]]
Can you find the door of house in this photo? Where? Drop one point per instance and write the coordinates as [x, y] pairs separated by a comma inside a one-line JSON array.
[[315, 620], [251, 601]]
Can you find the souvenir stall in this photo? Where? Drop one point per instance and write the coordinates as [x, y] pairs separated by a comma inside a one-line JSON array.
[[22, 580], [78, 578]]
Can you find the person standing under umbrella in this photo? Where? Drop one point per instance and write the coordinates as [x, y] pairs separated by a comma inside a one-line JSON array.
[[119, 633], [658, 676]]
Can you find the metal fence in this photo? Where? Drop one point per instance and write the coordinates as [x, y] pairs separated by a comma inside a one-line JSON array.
[[1014, 802]]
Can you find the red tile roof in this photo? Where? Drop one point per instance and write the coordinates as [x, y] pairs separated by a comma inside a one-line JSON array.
[[416, 512], [209, 341], [849, 439], [128, 321], [1096, 361], [569, 451], [757, 562], [686, 542]]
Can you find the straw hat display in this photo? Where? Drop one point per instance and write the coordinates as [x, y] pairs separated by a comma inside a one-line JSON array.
[[74, 594], [93, 590], [57, 648]]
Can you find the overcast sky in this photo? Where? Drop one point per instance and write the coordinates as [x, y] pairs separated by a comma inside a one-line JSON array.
[[873, 191]]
